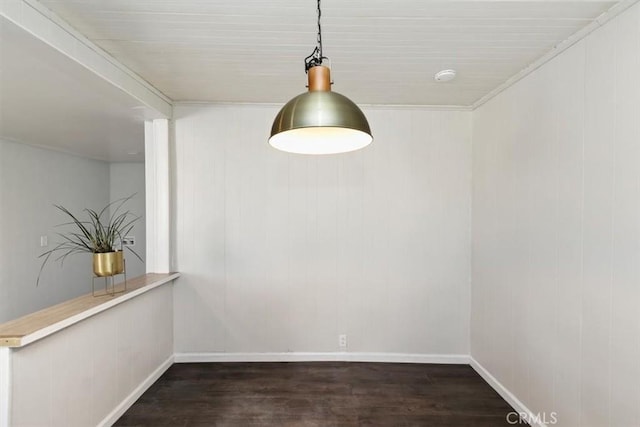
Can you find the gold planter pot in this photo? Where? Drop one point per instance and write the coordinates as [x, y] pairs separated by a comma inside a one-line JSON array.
[[108, 264]]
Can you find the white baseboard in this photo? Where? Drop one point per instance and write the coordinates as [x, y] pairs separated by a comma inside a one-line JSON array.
[[113, 416], [322, 357], [511, 399]]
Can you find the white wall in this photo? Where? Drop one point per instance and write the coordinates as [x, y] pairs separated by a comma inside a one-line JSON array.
[[31, 181], [556, 232], [127, 179], [281, 253]]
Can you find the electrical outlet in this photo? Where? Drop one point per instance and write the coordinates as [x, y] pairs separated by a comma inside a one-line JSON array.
[[129, 241], [342, 341], [44, 241]]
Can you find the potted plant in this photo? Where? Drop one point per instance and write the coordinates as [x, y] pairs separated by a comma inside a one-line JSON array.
[[101, 235]]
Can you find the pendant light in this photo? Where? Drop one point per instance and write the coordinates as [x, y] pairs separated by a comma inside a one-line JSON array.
[[320, 121]]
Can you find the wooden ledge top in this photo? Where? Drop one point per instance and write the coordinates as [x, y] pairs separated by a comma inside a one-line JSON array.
[[35, 326]]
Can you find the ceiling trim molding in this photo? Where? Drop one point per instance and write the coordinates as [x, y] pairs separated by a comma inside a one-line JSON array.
[[368, 106], [45, 25], [576, 37]]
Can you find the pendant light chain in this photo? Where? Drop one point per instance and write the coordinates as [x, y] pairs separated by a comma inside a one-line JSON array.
[[316, 56], [319, 32]]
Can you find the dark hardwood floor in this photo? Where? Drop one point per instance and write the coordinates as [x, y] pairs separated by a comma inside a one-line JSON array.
[[318, 394]]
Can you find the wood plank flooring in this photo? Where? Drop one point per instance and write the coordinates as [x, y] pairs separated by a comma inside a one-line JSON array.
[[318, 394]]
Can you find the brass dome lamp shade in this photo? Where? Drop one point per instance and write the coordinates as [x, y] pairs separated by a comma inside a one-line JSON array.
[[320, 121]]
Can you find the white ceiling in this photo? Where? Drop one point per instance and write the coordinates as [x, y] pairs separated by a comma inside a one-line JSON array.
[[46, 99], [382, 51]]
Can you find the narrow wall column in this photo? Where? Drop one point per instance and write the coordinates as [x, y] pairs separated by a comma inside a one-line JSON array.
[[156, 141], [5, 386]]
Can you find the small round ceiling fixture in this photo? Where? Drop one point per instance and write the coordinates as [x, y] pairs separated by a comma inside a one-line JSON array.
[[445, 75]]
